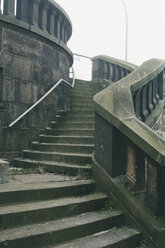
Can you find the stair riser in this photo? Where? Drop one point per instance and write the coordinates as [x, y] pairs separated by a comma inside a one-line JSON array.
[[69, 132], [81, 107], [58, 157], [72, 125], [75, 119], [45, 193], [72, 171], [51, 213], [62, 148], [70, 140], [133, 241], [82, 93], [63, 235], [79, 113], [88, 101], [87, 86]]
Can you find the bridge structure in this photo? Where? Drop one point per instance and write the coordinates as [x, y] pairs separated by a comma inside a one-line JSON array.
[[104, 129]]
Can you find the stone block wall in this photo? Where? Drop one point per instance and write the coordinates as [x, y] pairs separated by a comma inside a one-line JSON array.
[[30, 64]]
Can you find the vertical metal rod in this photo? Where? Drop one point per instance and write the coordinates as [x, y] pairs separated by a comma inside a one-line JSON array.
[[126, 30]]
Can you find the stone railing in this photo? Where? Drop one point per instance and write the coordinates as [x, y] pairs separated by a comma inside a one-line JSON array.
[[44, 17], [124, 145], [110, 69]]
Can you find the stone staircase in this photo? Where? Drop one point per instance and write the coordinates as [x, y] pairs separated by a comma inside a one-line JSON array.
[[63, 213]]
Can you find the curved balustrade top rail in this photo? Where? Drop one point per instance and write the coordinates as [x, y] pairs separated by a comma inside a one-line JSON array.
[[117, 105], [128, 66], [44, 17]]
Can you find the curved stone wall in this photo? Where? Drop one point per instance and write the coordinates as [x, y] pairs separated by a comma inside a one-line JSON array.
[[33, 56]]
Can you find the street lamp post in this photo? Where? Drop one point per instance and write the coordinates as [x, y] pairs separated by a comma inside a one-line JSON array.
[[126, 29]]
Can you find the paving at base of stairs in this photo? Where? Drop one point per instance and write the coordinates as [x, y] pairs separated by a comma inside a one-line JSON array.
[[64, 209]]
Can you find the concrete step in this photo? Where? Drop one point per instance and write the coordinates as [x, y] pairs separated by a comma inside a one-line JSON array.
[[35, 212], [57, 231], [64, 168], [79, 113], [70, 131], [74, 139], [76, 158], [73, 119], [29, 192], [63, 147], [75, 124], [83, 92], [124, 237], [82, 98], [82, 106]]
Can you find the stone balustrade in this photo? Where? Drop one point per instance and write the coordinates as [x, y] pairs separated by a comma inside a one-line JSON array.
[[45, 17], [124, 144], [110, 69]]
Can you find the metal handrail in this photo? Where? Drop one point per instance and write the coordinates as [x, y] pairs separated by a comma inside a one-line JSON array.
[[42, 98], [83, 56]]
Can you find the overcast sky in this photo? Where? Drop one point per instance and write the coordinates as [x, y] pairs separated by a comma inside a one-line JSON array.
[[99, 28]]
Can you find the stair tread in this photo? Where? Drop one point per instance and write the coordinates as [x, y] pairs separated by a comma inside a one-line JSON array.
[[67, 136], [70, 122], [66, 164], [61, 153], [71, 129], [56, 225], [63, 144], [101, 239], [30, 206], [15, 187]]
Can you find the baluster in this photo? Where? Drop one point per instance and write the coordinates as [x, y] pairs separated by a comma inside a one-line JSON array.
[[154, 92], [23, 10], [63, 31], [160, 85], [138, 103], [42, 21], [108, 72], [125, 72], [57, 26], [114, 73], [61, 28], [119, 72], [34, 12], [144, 103], [122, 72], [111, 71], [9, 7], [49, 12], [149, 97], [52, 22], [44, 16], [66, 35], [135, 173], [155, 187]]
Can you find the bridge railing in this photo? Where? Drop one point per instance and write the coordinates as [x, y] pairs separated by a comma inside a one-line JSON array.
[[124, 144], [38, 16], [110, 69]]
